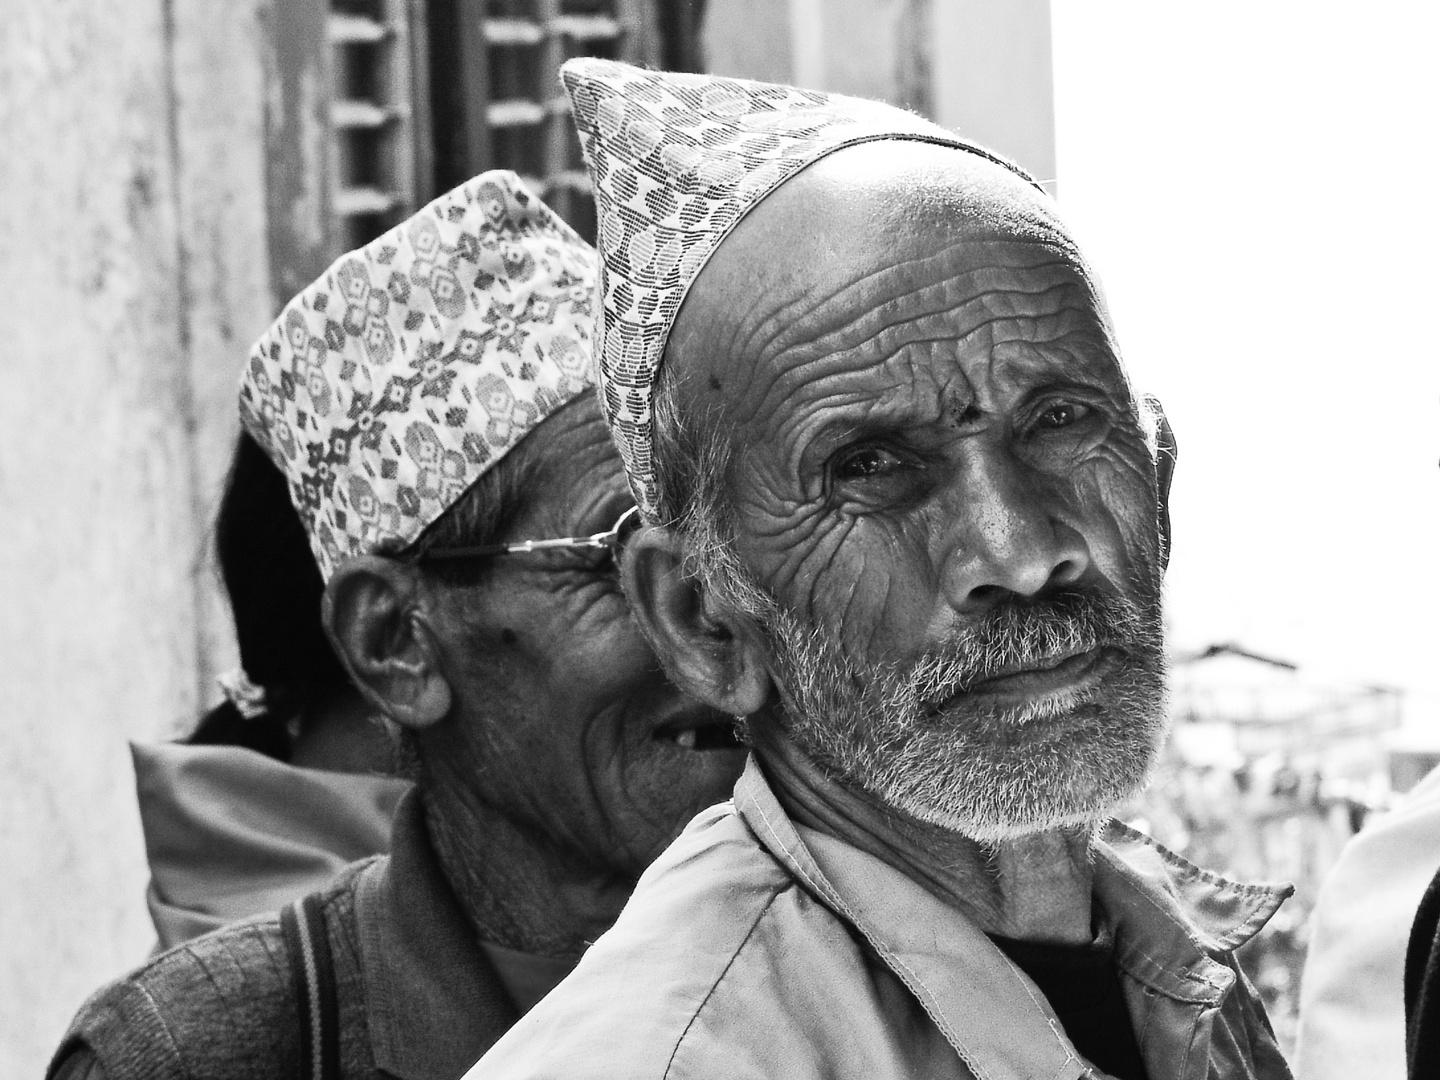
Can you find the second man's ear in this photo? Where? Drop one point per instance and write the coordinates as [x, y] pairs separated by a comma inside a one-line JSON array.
[[374, 621], [709, 653]]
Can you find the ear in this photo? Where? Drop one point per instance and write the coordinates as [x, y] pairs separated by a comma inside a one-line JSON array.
[[374, 621], [1166, 452], [713, 655]]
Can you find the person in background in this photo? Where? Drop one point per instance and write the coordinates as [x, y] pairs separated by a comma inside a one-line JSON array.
[[1352, 991], [285, 782], [430, 402], [1422, 976], [905, 517]]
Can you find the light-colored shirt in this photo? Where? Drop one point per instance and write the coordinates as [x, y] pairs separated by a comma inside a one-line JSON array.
[[755, 947], [1352, 994]]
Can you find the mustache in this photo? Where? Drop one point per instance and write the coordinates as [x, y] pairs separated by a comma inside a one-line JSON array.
[[1028, 632]]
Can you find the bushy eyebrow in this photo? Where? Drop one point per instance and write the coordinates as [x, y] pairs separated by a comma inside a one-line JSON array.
[[830, 423]]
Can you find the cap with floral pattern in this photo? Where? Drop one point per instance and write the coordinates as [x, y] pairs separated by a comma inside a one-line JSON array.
[[676, 161], [413, 365]]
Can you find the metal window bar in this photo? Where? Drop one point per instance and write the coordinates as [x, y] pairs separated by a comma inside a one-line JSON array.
[[349, 146], [500, 60], [406, 109], [378, 116]]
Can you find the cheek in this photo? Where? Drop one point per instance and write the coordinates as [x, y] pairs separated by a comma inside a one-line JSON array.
[[1115, 505], [608, 648], [868, 581], [555, 661]]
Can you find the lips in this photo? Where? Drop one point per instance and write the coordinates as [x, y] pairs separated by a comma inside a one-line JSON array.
[[1034, 678]]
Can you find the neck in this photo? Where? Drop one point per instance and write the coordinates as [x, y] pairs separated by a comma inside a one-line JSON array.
[[1032, 888], [517, 890]]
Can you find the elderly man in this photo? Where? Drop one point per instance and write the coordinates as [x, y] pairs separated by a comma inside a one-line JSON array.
[[430, 401], [905, 521]]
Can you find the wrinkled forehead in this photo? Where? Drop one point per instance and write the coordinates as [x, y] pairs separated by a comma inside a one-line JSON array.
[[884, 248]]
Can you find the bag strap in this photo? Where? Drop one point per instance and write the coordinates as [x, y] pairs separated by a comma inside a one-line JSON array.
[[303, 926]]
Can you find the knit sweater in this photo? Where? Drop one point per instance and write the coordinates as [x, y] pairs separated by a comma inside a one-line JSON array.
[[415, 995]]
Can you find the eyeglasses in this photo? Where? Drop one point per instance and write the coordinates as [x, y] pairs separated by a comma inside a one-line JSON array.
[[609, 542]]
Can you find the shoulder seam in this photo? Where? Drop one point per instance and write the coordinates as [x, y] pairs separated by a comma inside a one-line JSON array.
[[154, 1007], [670, 1063], [270, 921]]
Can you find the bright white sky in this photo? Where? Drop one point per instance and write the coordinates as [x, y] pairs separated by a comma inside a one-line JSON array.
[[1254, 182]]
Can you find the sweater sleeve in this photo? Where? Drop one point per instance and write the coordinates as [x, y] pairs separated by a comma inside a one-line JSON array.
[[219, 1008], [118, 1034]]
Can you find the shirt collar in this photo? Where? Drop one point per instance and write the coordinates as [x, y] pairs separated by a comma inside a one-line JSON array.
[[1169, 915], [993, 1017], [990, 1013], [432, 1000]]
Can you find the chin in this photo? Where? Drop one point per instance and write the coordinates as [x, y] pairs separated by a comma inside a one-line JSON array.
[[1007, 819], [1037, 771]]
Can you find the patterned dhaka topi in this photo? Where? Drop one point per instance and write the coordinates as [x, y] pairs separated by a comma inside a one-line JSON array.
[[386, 388], [675, 161]]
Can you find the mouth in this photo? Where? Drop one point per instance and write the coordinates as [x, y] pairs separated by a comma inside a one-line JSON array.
[[1051, 676], [708, 731]]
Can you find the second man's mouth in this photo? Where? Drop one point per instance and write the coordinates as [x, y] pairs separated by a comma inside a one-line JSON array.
[[709, 731]]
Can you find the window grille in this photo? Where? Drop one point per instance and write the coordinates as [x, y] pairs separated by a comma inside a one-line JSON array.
[[505, 108], [376, 106], [347, 138], [378, 116]]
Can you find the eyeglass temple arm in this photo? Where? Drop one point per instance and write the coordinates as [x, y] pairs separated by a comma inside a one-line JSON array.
[[599, 540], [608, 539]]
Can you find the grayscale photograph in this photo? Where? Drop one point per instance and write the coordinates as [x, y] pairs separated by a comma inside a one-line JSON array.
[[697, 539]]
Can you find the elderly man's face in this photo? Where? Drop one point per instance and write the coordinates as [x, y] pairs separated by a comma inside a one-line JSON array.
[[565, 723], [939, 477]]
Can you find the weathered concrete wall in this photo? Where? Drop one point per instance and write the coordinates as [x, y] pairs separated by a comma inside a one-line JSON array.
[[220, 101], [133, 271]]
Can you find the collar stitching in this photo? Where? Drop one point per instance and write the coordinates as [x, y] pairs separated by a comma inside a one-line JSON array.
[[1186, 869], [1125, 965], [1128, 875]]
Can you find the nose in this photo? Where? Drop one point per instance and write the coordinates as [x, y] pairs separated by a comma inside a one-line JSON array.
[[1008, 540]]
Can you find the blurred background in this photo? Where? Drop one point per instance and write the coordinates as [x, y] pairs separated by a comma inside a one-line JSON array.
[[1249, 178]]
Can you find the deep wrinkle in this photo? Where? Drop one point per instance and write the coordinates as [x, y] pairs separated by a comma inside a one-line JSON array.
[[914, 436], [552, 762]]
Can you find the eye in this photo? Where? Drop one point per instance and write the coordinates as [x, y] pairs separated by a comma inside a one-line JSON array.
[[1061, 414], [866, 462], [1058, 431]]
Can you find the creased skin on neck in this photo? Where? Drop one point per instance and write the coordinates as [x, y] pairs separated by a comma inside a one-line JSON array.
[[1035, 888], [516, 889]]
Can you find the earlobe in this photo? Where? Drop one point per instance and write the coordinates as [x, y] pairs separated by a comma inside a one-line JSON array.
[[378, 631], [709, 653]]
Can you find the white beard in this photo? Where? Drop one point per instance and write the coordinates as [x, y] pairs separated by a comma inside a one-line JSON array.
[[988, 772]]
